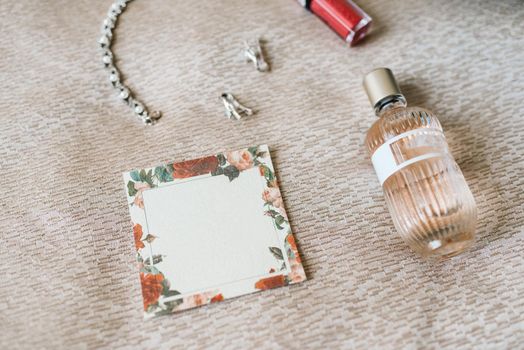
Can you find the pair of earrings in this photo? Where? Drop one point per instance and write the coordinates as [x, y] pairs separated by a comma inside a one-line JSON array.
[[252, 53]]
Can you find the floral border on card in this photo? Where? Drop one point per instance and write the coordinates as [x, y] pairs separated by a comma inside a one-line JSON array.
[[159, 295]]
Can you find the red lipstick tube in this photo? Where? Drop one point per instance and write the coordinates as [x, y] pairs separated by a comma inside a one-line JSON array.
[[343, 16]]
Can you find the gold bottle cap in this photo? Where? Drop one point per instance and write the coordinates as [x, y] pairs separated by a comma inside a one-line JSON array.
[[379, 84]]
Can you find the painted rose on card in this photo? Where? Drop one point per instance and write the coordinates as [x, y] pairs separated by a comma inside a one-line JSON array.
[[195, 167], [241, 160], [152, 286], [137, 233]]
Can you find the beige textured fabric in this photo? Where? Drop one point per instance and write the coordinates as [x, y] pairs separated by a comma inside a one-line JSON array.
[[68, 274]]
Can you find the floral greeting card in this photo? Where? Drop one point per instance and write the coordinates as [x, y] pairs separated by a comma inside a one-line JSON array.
[[210, 229]]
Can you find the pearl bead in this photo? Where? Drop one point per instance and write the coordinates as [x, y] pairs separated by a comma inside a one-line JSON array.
[[109, 23], [139, 109], [124, 94], [106, 59], [113, 78], [104, 40]]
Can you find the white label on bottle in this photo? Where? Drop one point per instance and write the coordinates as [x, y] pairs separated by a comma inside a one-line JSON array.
[[385, 162]]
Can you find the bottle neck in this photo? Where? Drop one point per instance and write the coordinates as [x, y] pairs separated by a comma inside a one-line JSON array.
[[388, 103]]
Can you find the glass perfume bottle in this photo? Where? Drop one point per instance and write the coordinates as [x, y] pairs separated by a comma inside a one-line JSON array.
[[429, 200]]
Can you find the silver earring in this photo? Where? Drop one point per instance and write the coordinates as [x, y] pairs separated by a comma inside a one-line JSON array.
[[253, 53], [234, 110]]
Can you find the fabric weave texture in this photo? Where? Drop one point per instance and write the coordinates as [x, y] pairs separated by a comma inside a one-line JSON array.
[[69, 279]]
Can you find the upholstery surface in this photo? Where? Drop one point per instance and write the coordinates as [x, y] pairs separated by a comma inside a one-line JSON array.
[[69, 279]]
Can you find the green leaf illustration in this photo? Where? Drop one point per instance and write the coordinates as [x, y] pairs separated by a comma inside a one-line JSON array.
[[261, 154], [277, 253], [272, 213], [163, 174], [159, 173], [157, 258], [143, 175], [134, 175], [149, 238], [218, 171], [268, 174], [279, 220], [150, 269], [171, 293], [152, 308], [166, 285], [221, 159], [253, 150], [169, 306], [149, 178], [231, 172], [131, 191]]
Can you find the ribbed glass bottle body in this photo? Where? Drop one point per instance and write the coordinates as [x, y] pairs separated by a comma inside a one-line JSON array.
[[429, 200]]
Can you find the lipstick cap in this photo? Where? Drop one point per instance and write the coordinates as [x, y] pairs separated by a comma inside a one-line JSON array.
[[343, 16]]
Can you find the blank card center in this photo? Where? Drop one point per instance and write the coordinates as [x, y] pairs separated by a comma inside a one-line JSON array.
[[214, 230]]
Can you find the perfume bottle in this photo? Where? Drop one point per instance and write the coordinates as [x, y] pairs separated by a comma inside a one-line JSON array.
[[343, 16], [429, 200]]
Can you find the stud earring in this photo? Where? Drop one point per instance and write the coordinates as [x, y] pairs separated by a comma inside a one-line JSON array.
[[253, 53], [234, 110]]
